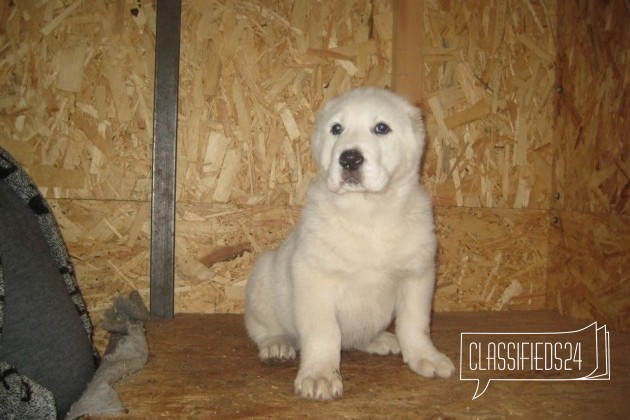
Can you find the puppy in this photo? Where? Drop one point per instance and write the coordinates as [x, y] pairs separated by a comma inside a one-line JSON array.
[[361, 255]]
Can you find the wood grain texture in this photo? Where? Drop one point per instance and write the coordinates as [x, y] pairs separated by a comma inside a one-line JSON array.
[[589, 260], [109, 245], [488, 97], [205, 367], [491, 259], [76, 100], [76, 95], [253, 76], [407, 54], [589, 268], [592, 150]]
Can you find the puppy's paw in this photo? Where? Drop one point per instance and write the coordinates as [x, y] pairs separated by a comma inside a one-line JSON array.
[[276, 350], [321, 386], [384, 344], [435, 364]]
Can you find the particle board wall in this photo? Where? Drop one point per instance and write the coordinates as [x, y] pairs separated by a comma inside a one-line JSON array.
[[490, 259], [76, 82], [76, 99], [589, 261], [487, 93], [591, 163], [252, 76], [76, 96]]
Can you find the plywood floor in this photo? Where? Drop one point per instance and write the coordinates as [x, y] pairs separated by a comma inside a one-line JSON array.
[[203, 366]]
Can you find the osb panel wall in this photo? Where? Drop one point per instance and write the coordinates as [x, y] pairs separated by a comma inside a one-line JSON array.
[[491, 260], [76, 105], [76, 99], [488, 95], [216, 247], [592, 157], [252, 78], [252, 75], [590, 243], [589, 275], [76, 94], [109, 245]]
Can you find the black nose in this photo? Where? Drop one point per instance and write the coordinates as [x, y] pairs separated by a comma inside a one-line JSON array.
[[350, 160]]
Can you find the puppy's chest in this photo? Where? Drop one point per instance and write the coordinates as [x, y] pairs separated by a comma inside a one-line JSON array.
[[363, 289], [377, 248], [365, 308]]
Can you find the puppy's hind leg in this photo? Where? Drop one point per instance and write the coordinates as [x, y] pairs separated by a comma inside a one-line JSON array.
[[385, 343], [273, 346], [260, 317], [275, 350]]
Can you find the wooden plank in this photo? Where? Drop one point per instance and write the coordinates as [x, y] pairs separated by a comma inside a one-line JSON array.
[[407, 49], [196, 378], [164, 158]]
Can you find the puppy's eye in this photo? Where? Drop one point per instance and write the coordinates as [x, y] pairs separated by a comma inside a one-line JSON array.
[[382, 128], [336, 129]]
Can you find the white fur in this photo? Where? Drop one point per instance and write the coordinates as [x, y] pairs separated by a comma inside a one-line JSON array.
[[361, 255]]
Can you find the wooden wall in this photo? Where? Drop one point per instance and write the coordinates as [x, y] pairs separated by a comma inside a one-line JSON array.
[[247, 120], [589, 243], [488, 75], [252, 76], [76, 82], [76, 108]]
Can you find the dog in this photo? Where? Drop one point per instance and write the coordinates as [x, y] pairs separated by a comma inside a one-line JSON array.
[[361, 255]]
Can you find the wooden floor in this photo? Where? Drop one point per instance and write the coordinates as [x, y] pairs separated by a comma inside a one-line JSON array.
[[203, 366]]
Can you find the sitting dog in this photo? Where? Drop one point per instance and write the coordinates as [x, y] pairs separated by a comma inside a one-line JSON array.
[[361, 255]]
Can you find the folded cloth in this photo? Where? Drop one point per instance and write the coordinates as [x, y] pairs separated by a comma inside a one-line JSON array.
[[127, 352]]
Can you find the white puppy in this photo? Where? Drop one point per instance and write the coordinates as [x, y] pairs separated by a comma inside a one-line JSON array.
[[362, 254]]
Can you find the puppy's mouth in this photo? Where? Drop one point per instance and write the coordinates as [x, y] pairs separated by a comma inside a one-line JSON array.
[[348, 181], [352, 178], [352, 171]]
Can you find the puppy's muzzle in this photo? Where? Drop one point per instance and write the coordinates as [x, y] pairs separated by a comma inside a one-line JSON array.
[[351, 160]]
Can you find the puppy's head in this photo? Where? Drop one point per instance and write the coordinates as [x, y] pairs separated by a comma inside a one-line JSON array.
[[366, 140]]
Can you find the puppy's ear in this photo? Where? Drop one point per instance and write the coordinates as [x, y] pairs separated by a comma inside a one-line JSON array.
[[415, 115]]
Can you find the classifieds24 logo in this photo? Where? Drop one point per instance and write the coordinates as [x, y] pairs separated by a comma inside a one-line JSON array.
[[534, 356]]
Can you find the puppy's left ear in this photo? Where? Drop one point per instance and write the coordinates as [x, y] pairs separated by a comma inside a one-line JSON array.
[[415, 114]]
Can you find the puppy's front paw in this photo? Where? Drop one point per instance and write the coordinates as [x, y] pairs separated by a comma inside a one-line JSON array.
[[276, 350], [435, 364], [320, 386]]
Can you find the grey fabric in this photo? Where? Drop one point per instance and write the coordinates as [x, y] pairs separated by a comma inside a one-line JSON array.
[[43, 337], [30, 308], [23, 186], [127, 352], [21, 398]]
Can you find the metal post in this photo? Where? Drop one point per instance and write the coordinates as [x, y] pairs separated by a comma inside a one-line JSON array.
[[168, 22]]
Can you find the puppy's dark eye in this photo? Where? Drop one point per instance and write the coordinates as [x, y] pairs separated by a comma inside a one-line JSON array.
[[336, 129], [382, 128]]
